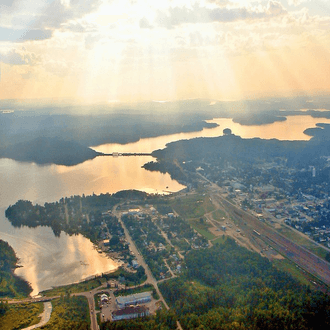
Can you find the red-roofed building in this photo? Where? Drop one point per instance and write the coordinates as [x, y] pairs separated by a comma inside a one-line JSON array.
[[130, 312]]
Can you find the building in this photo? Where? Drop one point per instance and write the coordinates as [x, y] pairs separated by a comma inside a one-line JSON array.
[[135, 264], [104, 298], [131, 312], [133, 299]]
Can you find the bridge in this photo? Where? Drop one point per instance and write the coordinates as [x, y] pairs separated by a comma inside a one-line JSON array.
[[120, 154]]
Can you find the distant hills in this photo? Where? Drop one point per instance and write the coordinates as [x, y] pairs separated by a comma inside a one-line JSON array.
[[62, 133]]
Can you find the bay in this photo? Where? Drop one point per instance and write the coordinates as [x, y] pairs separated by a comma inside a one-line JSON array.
[[47, 260]]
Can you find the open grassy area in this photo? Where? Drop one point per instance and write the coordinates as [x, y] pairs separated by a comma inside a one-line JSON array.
[[222, 239], [192, 206], [289, 267], [202, 229], [181, 244], [74, 288], [219, 215], [143, 288], [96, 301]]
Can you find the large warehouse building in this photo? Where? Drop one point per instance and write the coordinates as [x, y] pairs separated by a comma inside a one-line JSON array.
[[133, 299]]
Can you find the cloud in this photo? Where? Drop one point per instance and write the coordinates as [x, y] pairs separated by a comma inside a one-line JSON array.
[[15, 58], [145, 24], [220, 3], [80, 26], [182, 15], [38, 19], [17, 35], [6, 5], [296, 2]]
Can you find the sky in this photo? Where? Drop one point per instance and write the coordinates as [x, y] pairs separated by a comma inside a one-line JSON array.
[[136, 50]]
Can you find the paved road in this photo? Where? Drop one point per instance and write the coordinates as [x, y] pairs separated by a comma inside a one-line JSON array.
[[133, 248], [45, 316], [91, 303], [140, 259]]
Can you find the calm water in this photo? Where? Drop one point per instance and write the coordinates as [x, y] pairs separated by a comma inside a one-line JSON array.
[[291, 129], [49, 261], [46, 259]]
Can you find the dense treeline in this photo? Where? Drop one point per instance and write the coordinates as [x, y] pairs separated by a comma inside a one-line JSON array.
[[11, 285], [232, 148], [229, 287], [69, 313], [163, 320], [73, 215], [19, 316]]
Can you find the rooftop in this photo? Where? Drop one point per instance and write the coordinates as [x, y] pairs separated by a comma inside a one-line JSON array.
[[130, 310], [136, 296]]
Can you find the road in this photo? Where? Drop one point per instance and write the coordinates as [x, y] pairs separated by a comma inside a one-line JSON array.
[[45, 316], [91, 303], [140, 259]]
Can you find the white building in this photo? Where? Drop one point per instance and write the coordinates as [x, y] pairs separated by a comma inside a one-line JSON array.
[[133, 299]]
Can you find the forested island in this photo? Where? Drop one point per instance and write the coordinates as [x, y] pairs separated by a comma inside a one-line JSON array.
[[11, 285]]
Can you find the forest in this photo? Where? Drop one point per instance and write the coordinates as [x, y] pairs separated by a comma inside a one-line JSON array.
[[69, 313], [69, 214], [230, 287], [11, 285]]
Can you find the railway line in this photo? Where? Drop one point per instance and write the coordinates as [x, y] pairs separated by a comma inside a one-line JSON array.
[[294, 252]]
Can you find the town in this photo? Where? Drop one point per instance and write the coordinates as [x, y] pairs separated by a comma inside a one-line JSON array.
[[276, 210]]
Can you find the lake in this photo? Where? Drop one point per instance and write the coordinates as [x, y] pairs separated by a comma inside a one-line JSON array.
[[47, 260]]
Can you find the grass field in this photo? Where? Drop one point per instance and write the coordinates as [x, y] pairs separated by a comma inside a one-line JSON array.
[[219, 215], [220, 240], [291, 268], [193, 206], [143, 288], [201, 229], [74, 288]]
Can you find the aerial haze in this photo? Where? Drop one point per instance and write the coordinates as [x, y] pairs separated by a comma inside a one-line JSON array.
[[165, 159], [110, 51]]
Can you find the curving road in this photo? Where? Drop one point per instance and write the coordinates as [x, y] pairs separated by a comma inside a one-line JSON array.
[[45, 316]]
